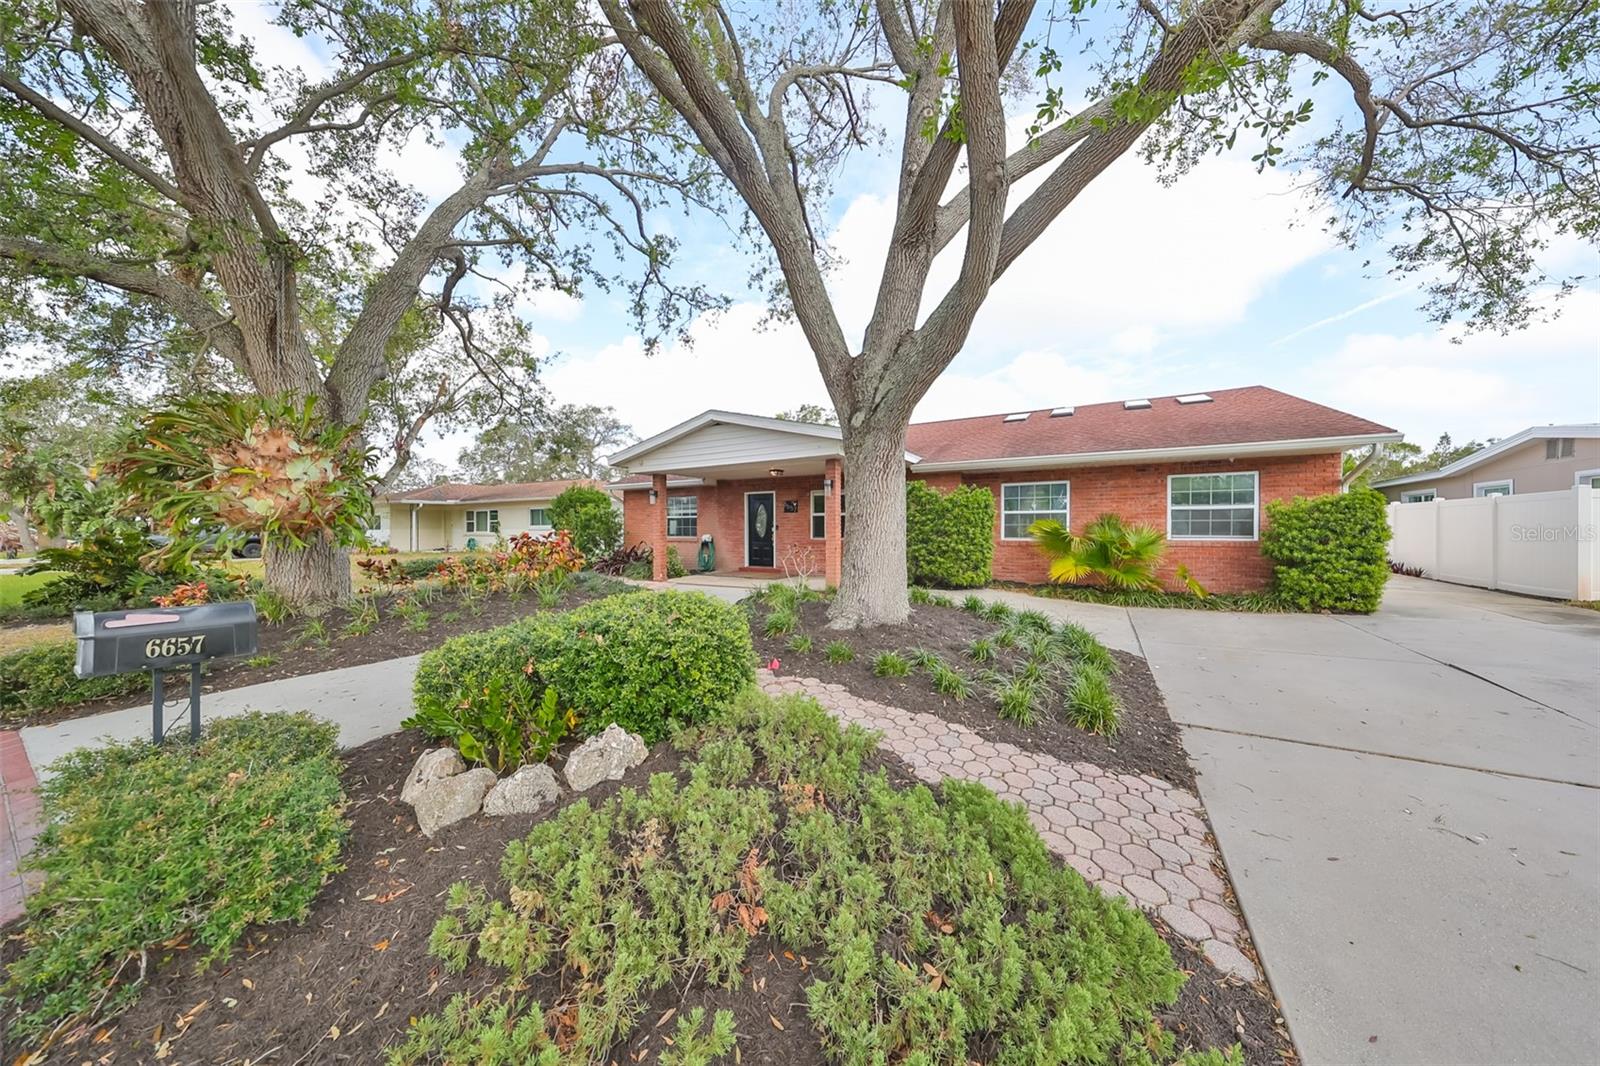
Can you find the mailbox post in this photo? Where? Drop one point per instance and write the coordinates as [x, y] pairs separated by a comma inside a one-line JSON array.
[[159, 639]]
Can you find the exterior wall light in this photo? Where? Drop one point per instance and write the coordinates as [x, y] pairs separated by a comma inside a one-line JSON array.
[[652, 497], [827, 486]]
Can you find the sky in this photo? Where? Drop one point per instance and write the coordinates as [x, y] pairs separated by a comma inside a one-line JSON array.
[[1222, 279]]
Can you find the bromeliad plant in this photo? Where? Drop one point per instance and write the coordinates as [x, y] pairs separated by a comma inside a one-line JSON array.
[[1109, 552], [249, 464]]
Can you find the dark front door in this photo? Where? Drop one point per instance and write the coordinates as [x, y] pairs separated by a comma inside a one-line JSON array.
[[759, 521]]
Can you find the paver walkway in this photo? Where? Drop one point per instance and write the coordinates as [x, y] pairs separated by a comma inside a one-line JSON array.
[[1133, 835]]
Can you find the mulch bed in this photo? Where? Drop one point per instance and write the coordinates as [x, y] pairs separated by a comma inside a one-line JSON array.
[[449, 615], [341, 987], [1146, 743]]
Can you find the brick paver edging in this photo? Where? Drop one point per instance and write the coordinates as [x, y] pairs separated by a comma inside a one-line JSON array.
[[1129, 834], [20, 821]]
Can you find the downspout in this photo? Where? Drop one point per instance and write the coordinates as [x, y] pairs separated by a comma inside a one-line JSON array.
[[1360, 468]]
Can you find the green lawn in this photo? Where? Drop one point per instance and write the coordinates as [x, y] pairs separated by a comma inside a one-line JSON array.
[[14, 586]]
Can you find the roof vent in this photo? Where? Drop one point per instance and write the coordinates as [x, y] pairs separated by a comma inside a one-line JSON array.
[[1135, 405], [1060, 412], [1023, 417], [1196, 397]]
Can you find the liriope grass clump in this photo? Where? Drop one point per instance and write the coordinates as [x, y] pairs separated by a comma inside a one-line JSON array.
[[937, 925]]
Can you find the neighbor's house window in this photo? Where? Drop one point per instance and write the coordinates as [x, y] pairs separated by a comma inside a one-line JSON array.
[[1560, 448], [818, 516], [1492, 488], [1212, 506], [1419, 496], [483, 521], [683, 516], [1023, 504], [539, 518]]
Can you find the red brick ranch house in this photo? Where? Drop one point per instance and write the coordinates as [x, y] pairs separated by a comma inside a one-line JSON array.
[[772, 495]]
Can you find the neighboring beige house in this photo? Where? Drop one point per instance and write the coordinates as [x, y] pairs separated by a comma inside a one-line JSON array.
[[1540, 459], [457, 517]]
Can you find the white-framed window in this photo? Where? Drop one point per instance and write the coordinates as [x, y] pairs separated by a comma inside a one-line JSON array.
[[1492, 488], [819, 515], [539, 519], [683, 516], [1213, 506], [1560, 447], [1419, 496], [483, 521], [1026, 502], [1587, 477]]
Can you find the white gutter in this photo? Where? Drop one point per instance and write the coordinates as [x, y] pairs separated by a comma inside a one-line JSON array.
[[1300, 446]]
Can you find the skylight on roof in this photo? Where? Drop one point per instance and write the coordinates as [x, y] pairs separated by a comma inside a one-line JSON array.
[[1023, 417], [1194, 397], [1060, 412], [1135, 405]]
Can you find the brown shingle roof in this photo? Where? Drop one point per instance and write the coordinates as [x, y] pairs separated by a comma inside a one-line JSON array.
[[1233, 416], [461, 492]]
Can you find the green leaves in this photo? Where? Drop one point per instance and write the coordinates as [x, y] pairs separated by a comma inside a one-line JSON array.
[[144, 846], [924, 925], [949, 536], [1330, 552], [1109, 551], [248, 465]]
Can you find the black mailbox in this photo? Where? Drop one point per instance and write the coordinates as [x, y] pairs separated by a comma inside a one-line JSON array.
[[158, 639]]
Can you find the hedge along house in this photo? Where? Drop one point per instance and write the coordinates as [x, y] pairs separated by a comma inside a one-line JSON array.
[[454, 516], [1200, 467]]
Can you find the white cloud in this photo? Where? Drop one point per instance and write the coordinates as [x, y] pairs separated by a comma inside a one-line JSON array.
[[731, 364], [1486, 386]]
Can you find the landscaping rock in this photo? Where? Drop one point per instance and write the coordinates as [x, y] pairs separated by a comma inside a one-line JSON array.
[[447, 800], [431, 765], [604, 758], [524, 792]]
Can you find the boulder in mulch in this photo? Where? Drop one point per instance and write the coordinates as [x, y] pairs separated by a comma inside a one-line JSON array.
[[432, 765], [524, 792], [446, 800], [604, 758]]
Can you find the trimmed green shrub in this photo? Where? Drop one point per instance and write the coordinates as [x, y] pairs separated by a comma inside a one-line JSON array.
[[641, 660], [949, 537], [1329, 553], [40, 678], [147, 846], [591, 517]]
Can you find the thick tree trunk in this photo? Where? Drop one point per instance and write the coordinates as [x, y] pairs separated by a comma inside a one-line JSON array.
[[312, 578], [873, 589]]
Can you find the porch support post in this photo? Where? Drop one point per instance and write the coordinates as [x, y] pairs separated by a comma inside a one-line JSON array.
[[832, 528], [658, 528]]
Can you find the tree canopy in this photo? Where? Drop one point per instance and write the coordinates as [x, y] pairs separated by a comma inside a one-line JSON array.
[[168, 191], [1464, 138], [568, 441]]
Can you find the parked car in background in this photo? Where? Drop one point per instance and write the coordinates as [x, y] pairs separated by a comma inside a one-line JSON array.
[[246, 547]]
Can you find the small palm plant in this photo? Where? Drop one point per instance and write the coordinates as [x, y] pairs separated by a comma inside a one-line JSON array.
[[1109, 551]]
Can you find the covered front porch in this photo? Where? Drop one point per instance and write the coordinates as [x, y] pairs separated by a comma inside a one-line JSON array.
[[768, 493]]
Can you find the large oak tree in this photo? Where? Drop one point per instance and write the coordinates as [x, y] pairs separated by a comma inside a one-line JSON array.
[[152, 163], [1465, 138]]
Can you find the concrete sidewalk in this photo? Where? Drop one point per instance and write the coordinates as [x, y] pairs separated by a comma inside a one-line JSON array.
[[1407, 804], [366, 702]]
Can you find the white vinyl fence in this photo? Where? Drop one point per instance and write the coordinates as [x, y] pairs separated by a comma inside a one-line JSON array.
[[1539, 543]]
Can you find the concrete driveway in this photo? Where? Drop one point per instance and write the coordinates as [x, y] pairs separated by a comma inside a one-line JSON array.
[[1408, 805]]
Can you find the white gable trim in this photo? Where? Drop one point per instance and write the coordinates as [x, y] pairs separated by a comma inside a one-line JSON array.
[[1586, 430], [818, 436]]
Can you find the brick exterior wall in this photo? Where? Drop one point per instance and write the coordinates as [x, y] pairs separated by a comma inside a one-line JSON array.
[[1137, 493], [721, 514]]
